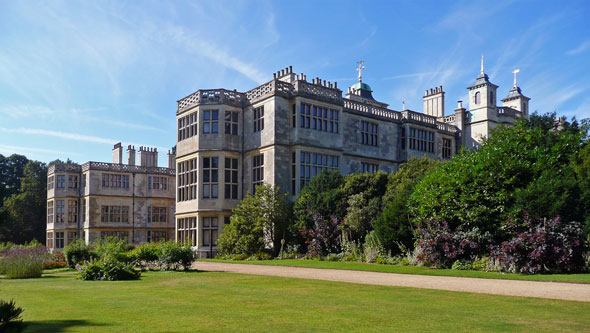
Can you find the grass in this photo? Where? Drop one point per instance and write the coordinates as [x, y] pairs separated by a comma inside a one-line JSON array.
[[419, 270], [216, 301]]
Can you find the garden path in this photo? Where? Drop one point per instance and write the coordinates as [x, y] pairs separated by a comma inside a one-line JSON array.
[[554, 290]]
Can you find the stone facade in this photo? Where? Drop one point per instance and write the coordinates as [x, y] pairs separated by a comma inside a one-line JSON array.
[[96, 199], [287, 130]]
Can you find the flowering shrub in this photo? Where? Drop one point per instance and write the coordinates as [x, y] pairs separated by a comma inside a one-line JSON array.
[[438, 246], [20, 262], [108, 269], [542, 246], [57, 260], [324, 238]]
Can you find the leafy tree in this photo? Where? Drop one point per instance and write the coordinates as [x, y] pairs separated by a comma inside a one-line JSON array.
[[581, 168], [484, 188], [323, 196], [393, 225], [24, 212], [258, 223], [11, 171]]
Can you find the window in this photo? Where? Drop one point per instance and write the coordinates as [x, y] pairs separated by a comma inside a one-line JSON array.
[[491, 98], [72, 181], [421, 140], [231, 178], [293, 173], [72, 211], [226, 220], [210, 121], [257, 171], [210, 229], [50, 211], [231, 123], [210, 177], [50, 182], [124, 235], [158, 214], [369, 167], [187, 230], [312, 164], [318, 118], [72, 235], [259, 118], [446, 149], [187, 126], [403, 138], [187, 180], [114, 214], [477, 98], [157, 183], [157, 236], [60, 209], [84, 181], [116, 181], [61, 181], [50, 239], [368, 133], [59, 240], [294, 114], [83, 217]]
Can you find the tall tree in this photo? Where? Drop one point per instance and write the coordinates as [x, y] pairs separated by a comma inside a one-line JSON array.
[[24, 212], [11, 171]]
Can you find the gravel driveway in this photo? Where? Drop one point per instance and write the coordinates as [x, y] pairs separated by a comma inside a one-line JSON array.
[[555, 290]]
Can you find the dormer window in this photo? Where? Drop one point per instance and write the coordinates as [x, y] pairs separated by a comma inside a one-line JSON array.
[[477, 98]]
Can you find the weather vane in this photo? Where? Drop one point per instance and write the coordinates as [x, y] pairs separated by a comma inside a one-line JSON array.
[[360, 69], [514, 72]]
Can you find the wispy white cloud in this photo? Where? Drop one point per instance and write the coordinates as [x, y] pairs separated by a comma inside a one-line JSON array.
[[68, 136], [20, 149], [583, 47], [196, 44]]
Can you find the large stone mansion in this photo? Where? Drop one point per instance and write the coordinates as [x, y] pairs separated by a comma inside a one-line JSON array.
[[283, 132]]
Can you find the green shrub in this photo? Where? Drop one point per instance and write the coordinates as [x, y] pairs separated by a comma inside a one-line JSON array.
[[145, 255], [76, 253], [108, 269], [23, 262], [111, 247], [481, 264], [462, 265], [173, 255], [10, 320]]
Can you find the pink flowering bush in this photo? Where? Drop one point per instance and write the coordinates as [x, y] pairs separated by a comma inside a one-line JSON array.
[[542, 246], [324, 237], [439, 246]]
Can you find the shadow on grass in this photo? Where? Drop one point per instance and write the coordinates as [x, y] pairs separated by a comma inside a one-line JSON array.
[[57, 325]]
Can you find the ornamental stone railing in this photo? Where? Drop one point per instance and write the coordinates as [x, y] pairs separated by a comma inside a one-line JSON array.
[[273, 87], [208, 96], [507, 112], [368, 109], [446, 127], [449, 119], [127, 168], [419, 117], [332, 95], [63, 167]]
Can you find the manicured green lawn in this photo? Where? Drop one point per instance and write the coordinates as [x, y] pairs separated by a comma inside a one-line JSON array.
[[572, 278], [215, 301]]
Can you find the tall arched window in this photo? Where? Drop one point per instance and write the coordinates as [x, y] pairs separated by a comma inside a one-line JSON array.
[[491, 98], [477, 98]]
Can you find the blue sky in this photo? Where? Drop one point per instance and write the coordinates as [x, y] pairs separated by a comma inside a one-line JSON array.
[[77, 77]]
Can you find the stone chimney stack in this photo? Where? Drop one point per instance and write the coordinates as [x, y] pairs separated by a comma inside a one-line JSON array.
[[130, 155], [118, 154], [147, 157], [434, 102], [172, 159], [154, 157]]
